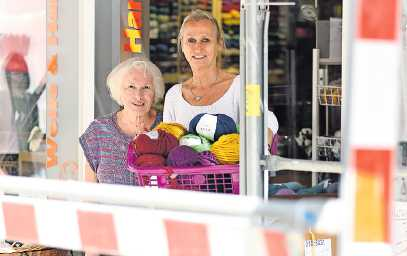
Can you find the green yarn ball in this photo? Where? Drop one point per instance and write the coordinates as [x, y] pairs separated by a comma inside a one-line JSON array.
[[196, 142]]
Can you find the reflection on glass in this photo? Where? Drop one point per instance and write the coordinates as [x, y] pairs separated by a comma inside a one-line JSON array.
[[22, 83]]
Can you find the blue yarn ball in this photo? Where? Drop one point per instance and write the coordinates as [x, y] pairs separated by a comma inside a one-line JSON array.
[[212, 126]]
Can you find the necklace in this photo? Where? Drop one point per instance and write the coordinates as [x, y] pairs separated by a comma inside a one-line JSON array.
[[199, 97], [196, 97]]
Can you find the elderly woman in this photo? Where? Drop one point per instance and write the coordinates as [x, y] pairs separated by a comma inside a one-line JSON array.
[[137, 86], [210, 89]]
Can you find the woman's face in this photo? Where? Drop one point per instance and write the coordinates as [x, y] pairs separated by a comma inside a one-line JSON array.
[[137, 92], [199, 44]]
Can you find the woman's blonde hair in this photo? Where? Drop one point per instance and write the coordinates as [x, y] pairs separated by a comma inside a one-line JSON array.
[[199, 15], [115, 78]]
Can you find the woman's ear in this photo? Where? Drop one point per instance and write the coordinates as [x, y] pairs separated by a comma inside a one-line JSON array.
[[221, 45]]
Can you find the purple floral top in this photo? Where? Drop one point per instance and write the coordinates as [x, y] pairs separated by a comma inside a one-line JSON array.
[[105, 148]]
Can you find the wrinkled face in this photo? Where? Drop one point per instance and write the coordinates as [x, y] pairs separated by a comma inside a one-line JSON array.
[[137, 92], [199, 44]]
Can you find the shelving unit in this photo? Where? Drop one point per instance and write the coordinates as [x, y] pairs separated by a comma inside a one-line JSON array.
[[326, 100], [164, 24]]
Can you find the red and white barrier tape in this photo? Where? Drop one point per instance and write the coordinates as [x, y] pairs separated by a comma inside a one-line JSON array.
[[120, 230], [373, 126]]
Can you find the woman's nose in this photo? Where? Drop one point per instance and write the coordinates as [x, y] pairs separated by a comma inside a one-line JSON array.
[[198, 46], [137, 93]]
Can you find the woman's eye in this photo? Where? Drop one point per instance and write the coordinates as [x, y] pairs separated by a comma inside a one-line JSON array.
[[191, 40], [147, 87], [131, 86], [205, 40]]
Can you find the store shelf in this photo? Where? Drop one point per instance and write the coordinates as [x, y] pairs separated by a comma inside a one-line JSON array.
[[327, 100], [329, 95], [330, 61], [329, 148]]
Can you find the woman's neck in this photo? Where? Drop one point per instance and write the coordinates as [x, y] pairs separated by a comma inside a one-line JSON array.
[[131, 117], [134, 123], [205, 78]]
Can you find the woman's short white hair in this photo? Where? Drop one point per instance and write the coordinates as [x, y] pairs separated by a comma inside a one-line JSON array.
[[115, 78]]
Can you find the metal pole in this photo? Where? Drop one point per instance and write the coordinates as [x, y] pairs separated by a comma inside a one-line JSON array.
[[265, 79], [277, 163], [242, 110], [315, 107], [254, 124]]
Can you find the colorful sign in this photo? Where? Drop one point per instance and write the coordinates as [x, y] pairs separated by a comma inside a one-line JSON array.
[[134, 27]]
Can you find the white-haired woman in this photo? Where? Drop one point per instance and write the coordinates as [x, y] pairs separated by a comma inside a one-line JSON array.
[[210, 89], [137, 86]]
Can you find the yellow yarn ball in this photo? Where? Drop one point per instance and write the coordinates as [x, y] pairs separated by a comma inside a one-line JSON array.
[[175, 129], [226, 149]]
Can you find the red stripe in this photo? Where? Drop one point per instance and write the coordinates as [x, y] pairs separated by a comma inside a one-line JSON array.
[[97, 232], [379, 164], [20, 222], [377, 19], [187, 239], [275, 243]]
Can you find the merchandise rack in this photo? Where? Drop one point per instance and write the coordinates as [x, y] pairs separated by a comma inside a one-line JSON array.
[[327, 96]]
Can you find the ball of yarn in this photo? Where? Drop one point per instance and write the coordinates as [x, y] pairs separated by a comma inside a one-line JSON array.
[[175, 129], [150, 160], [183, 156], [155, 142], [207, 158], [212, 126], [226, 149], [198, 143]]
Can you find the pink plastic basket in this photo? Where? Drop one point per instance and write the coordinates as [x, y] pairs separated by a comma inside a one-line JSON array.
[[218, 178]]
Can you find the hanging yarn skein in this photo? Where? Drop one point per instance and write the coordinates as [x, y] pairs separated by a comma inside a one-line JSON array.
[[212, 126], [198, 143], [175, 129], [226, 149]]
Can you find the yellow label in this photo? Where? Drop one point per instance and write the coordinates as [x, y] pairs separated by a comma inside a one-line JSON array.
[[253, 100]]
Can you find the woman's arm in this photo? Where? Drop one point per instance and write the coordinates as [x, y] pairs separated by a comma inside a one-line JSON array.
[[90, 175], [269, 136]]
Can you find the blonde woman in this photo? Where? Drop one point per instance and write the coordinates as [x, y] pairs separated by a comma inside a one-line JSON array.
[[210, 89]]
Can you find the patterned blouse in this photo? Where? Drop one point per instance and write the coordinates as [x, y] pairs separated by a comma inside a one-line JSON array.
[[105, 148]]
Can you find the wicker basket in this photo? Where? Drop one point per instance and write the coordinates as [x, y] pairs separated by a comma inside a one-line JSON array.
[[17, 248]]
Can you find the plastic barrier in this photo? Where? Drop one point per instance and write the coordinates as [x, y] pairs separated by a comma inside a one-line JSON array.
[[125, 220]]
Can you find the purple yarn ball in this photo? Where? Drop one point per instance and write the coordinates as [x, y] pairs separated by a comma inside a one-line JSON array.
[[183, 156], [207, 158], [285, 192]]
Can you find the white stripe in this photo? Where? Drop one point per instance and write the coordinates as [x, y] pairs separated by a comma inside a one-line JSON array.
[[232, 240], [57, 224], [371, 249], [2, 224], [374, 95], [140, 232]]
